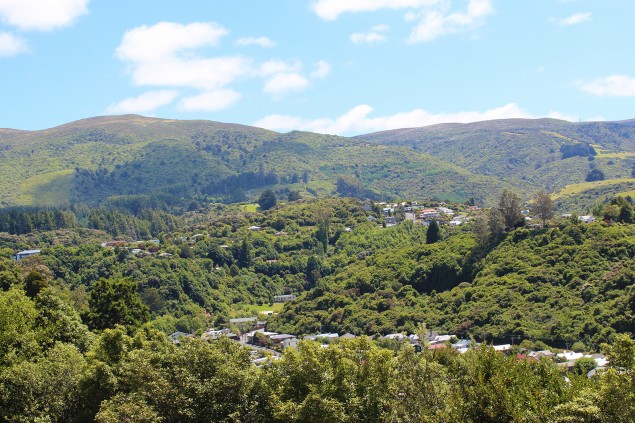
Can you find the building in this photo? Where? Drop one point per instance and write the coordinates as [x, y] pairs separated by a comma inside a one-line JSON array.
[[283, 298], [26, 253]]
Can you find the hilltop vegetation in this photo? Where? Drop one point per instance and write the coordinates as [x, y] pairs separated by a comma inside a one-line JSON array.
[[174, 165]]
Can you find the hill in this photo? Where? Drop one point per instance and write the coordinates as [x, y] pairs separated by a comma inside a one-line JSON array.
[[530, 154], [117, 159], [138, 162]]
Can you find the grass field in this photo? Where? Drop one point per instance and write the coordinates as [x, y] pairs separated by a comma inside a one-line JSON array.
[[47, 189], [276, 308], [581, 187], [251, 208]]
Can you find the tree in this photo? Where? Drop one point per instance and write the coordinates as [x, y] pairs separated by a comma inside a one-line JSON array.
[[267, 199], [481, 229], [350, 186], [496, 222], [434, 233], [509, 205], [294, 196], [543, 207], [115, 302], [595, 175]]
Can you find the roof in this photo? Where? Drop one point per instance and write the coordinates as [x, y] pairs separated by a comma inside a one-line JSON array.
[[30, 252], [242, 320]]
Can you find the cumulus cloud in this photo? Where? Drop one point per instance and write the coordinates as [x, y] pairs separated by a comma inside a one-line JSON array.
[[210, 101], [433, 18], [165, 55], [255, 41], [172, 55], [377, 34], [144, 103], [10, 45], [610, 86], [272, 67], [321, 70], [167, 39], [283, 83], [575, 19], [358, 120], [41, 15], [331, 9], [437, 21]]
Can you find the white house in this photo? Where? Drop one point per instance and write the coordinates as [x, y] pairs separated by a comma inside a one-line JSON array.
[[586, 219], [26, 253]]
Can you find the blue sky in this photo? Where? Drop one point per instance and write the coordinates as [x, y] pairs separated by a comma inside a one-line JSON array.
[[333, 66]]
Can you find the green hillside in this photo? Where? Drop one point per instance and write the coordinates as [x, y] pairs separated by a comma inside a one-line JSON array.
[[99, 160], [172, 164], [529, 154]]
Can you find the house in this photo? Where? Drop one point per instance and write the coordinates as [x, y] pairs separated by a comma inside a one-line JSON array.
[[443, 338], [254, 228], [280, 337], [283, 298], [446, 211], [586, 219], [390, 221], [371, 218], [570, 355], [428, 214], [243, 324], [462, 343], [387, 210], [176, 336], [212, 334], [502, 348], [281, 233], [455, 223], [348, 336], [290, 342], [396, 336], [26, 253], [323, 336]]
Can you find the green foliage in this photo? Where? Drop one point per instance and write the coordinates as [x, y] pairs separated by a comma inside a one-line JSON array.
[[267, 199], [115, 302], [434, 233]]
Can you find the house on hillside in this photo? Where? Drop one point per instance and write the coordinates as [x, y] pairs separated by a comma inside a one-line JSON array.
[[586, 219], [26, 253], [283, 298]]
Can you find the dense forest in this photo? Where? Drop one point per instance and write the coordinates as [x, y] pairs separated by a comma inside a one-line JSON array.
[[85, 322]]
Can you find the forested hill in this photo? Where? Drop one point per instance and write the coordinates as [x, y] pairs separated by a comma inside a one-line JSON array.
[[556, 155], [132, 161], [118, 160]]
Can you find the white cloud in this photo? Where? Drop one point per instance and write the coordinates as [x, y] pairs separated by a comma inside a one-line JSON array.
[[272, 67], [210, 101], [331, 9], [165, 39], [41, 15], [358, 121], [144, 103], [165, 55], [438, 21], [10, 45], [575, 19], [375, 35], [322, 70], [434, 17], [255, 41], [612, 86], [205, 74], [563, 116], [283, 83]]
